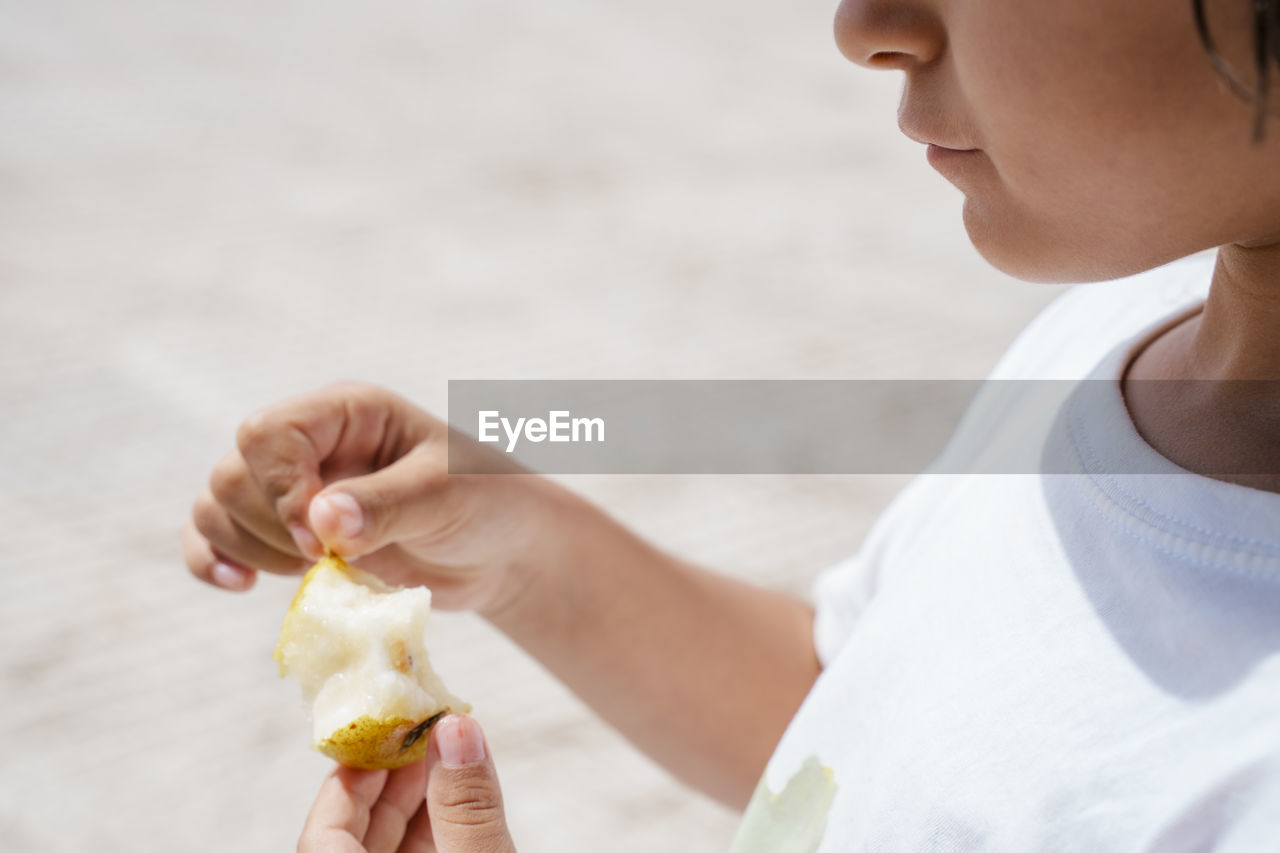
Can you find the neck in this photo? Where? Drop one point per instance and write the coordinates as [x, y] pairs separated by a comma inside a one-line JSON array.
[[1238, 334], [1217, 423]]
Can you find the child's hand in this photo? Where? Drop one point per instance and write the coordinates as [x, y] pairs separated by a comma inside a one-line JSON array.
[[364, 472], [448, 803], [632, 630]]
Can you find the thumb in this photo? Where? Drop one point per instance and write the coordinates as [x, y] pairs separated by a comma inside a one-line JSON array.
[[402, 501], [464, 802]]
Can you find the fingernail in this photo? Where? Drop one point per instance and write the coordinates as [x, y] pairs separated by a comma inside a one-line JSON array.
[[460, 741], [230, 577], [305, 540], [341, 511]]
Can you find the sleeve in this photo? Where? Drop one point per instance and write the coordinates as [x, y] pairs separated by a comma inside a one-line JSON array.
[[840, 594], [843, 592]]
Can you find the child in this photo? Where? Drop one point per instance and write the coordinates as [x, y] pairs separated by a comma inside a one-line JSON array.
[[1077, 662]]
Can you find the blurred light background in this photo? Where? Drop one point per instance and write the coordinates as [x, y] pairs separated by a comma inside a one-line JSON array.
[[207, 206]]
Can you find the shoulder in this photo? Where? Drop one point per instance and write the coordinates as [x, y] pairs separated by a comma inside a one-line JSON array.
[[1067, 340]]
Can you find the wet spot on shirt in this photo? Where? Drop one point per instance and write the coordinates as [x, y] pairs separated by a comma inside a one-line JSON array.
[[793, 820]]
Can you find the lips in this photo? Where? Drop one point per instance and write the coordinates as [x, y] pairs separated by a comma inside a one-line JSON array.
[[922, 117], [947, 160], [937, 139]]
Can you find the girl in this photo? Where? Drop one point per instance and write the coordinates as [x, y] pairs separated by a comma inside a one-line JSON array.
[[1076, 662]]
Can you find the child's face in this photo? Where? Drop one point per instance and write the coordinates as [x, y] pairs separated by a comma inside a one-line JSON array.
[[1106, 144]]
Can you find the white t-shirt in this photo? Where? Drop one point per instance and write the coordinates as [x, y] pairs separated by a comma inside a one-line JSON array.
[[1086, 661]]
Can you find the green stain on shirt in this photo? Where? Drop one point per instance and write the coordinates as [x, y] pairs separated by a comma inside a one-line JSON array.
[[792, 821]]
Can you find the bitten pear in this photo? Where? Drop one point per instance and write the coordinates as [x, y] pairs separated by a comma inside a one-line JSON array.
[[357, 647]]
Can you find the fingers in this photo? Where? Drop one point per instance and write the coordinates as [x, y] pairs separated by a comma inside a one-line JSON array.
[[345, 431], [370, 810], [400, 801], [233, 531], [258, 512], [283, 449], [406, 500], [229, 540], [418, 837], [208, 567], [464, 800], [233, 486], [342, 812]]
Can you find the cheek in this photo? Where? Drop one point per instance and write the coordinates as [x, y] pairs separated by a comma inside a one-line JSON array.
[[1094, 117]]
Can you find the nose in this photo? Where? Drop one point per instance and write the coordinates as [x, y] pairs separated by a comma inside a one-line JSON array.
[[889, 34]]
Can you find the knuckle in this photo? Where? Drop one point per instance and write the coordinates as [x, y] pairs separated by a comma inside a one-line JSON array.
[[230, 478], [259, 428], [354, 391], [472, 803], [206, 514], [288, 495], [374, 398], [253, 430], [367, 396]]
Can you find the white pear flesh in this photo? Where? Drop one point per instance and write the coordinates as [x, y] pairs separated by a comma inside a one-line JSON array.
[[358, 649]]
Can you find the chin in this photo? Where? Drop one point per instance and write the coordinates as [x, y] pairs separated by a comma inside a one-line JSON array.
[[1016, 247]]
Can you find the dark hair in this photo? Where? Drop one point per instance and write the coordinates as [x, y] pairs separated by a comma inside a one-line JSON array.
[[1266, 48]]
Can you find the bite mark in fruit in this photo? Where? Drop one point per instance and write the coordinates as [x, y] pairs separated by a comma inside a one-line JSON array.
[[357, 647]]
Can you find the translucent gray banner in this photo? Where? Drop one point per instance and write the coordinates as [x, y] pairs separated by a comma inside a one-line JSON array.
[[819, 426]]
